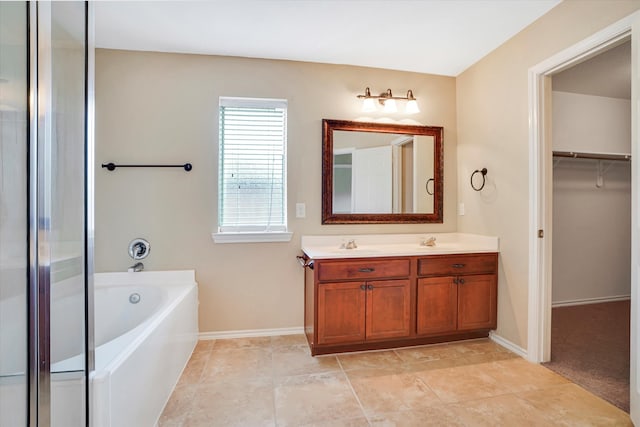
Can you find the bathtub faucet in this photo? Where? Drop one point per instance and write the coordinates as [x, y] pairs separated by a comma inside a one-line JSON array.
[[138, 266]]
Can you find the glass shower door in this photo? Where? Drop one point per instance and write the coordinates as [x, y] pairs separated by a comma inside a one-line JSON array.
[[43, 267], [64, 160], [13, 214]]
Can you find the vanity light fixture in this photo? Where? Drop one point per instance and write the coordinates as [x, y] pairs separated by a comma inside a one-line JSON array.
[[388, 101]]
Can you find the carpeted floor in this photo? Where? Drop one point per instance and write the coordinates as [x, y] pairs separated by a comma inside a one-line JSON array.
[[590, 346]]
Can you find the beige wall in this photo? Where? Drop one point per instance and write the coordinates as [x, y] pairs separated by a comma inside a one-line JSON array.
[[492, 113], [162, 108]]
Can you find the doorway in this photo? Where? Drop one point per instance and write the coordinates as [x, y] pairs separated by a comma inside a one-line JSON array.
[[540, 168], [591, 243]]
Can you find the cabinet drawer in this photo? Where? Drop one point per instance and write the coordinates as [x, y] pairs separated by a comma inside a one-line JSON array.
[[441, 265], [363, 269]]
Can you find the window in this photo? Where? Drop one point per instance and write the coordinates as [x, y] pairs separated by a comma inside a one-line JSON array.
[[252, 182]]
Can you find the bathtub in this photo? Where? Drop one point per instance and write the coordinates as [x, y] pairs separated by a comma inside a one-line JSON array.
[[146, 327], [141, 347]]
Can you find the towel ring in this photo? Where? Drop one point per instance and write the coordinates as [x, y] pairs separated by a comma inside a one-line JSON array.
[[426, 186], [483, 171]]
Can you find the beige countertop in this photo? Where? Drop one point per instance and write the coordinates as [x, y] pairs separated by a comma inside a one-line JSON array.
[[387, 245]]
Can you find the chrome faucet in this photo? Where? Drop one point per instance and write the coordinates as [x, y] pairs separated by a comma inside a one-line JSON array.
[[351, 244], [431, 241], [138, 266]]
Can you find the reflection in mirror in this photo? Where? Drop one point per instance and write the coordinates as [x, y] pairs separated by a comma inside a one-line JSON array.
[[381, 173]]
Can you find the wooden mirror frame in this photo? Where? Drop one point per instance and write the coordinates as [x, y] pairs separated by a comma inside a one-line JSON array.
[[328, 217]]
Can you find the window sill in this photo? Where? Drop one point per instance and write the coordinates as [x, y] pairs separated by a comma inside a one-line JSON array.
[[250, 237]]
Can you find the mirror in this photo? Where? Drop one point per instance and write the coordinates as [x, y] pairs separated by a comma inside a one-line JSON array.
[[381, 173]]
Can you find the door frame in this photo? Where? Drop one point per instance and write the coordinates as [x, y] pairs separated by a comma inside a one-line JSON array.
[[540, 184]]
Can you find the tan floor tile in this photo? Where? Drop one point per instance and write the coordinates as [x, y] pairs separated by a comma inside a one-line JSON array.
[[296, 360], [258, 381], [314, 398], [461, 383], [171, 422], [192, 373], [199, 357], [428, 353], [353, 422], [227, 403], [505, 410], [395, 392], [238, 363], [439, 416], [482, 345], [376, 372], [519, 375], [571, 405], [209, 419], [288, 340], [242, 343], [474, 359], [204, 346], [180, 402], [374, 359], [429, 365]]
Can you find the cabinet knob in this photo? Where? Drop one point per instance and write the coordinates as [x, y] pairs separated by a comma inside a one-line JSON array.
[[370, 287], [367, 270], [461, 281], [455, 281], [363, 287]]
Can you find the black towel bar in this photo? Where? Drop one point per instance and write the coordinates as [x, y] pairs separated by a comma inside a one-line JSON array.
[[112, 166]]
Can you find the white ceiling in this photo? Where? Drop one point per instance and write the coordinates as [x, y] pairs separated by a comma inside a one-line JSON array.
[[427, 36]]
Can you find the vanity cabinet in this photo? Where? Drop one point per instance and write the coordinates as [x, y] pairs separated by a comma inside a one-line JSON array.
[[370, 303], [456, 293], [358, 311], [359, 300]]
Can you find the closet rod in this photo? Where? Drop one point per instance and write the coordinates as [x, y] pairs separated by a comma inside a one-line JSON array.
[[596, 156]]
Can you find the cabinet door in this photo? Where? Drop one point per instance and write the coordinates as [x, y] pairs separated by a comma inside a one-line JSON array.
[[341, 312], [477, 302], [388, 309], [437, 305]]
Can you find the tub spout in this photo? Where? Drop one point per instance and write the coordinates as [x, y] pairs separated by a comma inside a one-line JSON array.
[[138, 266]]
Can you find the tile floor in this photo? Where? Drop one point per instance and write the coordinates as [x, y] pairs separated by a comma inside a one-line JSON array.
[[273, 381]]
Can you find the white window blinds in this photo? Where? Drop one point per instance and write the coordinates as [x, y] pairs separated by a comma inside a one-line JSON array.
[[252, 165]]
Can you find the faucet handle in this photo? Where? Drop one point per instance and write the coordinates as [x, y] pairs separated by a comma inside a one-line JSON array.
[[431, 241]]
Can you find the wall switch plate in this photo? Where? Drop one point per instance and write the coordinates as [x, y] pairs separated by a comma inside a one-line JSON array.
[[461, 209], [301, 210]]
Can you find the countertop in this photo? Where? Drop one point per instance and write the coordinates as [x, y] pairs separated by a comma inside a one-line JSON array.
[[388, 245]]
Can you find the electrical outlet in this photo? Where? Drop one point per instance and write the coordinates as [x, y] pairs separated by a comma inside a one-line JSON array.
[[301, 210], [461, 209]]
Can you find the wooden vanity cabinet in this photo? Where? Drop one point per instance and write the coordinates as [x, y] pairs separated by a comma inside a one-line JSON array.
[[357, 311], [456, 293], [370, 303], [356, 301]]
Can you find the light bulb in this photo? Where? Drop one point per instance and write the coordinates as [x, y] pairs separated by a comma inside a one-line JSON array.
[[412, 107], [390, 106], [368, 105]]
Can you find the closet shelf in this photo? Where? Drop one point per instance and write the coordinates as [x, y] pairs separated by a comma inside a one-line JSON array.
[[595, 156]]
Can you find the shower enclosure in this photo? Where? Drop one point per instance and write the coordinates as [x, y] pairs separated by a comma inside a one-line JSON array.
[[46, 227]]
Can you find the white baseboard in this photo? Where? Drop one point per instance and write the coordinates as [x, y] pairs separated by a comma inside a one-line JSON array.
[[585, 301], [249, 333], [508, 344]]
